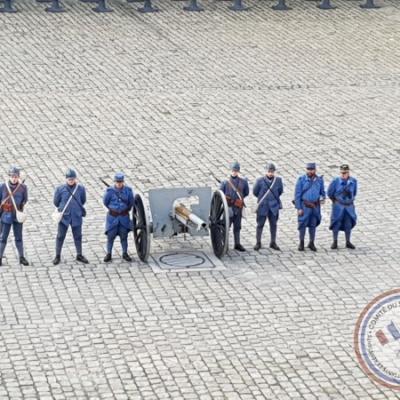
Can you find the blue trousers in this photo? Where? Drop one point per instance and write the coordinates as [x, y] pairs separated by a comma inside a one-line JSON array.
[[273, 225], [62, 232], [236, 221], [346, 223], [5, 231], [123, 235], [312, 227]]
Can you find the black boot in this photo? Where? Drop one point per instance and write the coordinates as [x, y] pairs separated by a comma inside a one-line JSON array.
[[1, 262], [82, 259], [108, 257], [274, 246], [257, 246], [56, 260], [334, 245], [311, 246], [239, 247], [127, 257], [350, 245], [23, 261], [301, 245]]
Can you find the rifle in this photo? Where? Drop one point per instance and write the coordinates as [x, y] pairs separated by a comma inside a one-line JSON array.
[[105, 183], [213, 176]]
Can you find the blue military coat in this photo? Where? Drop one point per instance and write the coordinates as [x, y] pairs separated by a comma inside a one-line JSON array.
[[241, 185], [120, 201], [75, 210], [272, 201], [311, 190], [342, 192], [21, 198]]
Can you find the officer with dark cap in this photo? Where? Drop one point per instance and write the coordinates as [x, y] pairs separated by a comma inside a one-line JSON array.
[[268, 190], [119, 200], [8, 213], [70, 199], [236, 189], [343, 191], [309, 195]]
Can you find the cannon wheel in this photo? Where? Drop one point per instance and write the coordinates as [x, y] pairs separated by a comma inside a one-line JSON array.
[[219, 224], [141, 229]]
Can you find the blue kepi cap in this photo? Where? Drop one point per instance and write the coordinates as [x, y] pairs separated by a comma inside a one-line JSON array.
[[14, 171], [70, 174], [311, 165], [270, 167], [235, 166], [119, 177]]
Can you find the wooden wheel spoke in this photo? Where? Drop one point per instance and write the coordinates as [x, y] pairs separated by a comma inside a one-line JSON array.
[[141, 229]]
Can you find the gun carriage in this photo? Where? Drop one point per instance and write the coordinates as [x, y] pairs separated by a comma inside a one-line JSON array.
[[196, 211]]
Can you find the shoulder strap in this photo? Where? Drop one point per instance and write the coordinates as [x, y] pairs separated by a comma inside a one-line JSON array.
[[267, 193], [309, 187], [73, 195], [69, 199], [235, 189], [11, 194], [119, 195]]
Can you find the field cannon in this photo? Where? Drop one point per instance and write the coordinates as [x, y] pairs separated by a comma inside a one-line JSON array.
[[196, 211]]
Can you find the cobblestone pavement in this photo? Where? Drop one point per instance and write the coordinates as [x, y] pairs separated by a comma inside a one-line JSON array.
[[168, 98]]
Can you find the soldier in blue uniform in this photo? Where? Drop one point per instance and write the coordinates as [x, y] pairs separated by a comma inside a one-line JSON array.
[[70, 197], [268, 190], [236, 189], [309, 195], [8, 213], [119, 199], [343, 191]]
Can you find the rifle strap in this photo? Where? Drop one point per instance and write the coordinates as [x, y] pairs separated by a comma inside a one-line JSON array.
[[10, 194], [266, 193], [236, 190]]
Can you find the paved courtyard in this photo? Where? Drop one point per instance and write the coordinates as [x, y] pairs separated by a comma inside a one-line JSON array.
[[170, 98]]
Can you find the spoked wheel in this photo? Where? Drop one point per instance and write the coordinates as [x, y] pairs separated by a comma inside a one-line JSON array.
[[219, 223], [141, 229]]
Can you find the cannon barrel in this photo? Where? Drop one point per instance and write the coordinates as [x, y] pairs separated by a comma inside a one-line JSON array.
[[184, 215]]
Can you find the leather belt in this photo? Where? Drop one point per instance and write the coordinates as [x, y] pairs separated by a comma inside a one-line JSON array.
[[311, 204], [342, 203], [118, 213]]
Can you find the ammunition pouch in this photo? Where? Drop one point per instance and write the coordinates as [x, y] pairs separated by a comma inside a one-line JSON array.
[[234, 203], [238, 203], [7, 207]]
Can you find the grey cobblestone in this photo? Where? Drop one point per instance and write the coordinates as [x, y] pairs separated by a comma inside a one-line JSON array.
[[168, 98]]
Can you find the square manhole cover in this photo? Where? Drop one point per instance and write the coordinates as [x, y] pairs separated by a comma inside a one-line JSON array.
[[184, 261]]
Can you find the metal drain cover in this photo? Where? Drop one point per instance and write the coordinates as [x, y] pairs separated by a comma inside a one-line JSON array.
[[183, 261]]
